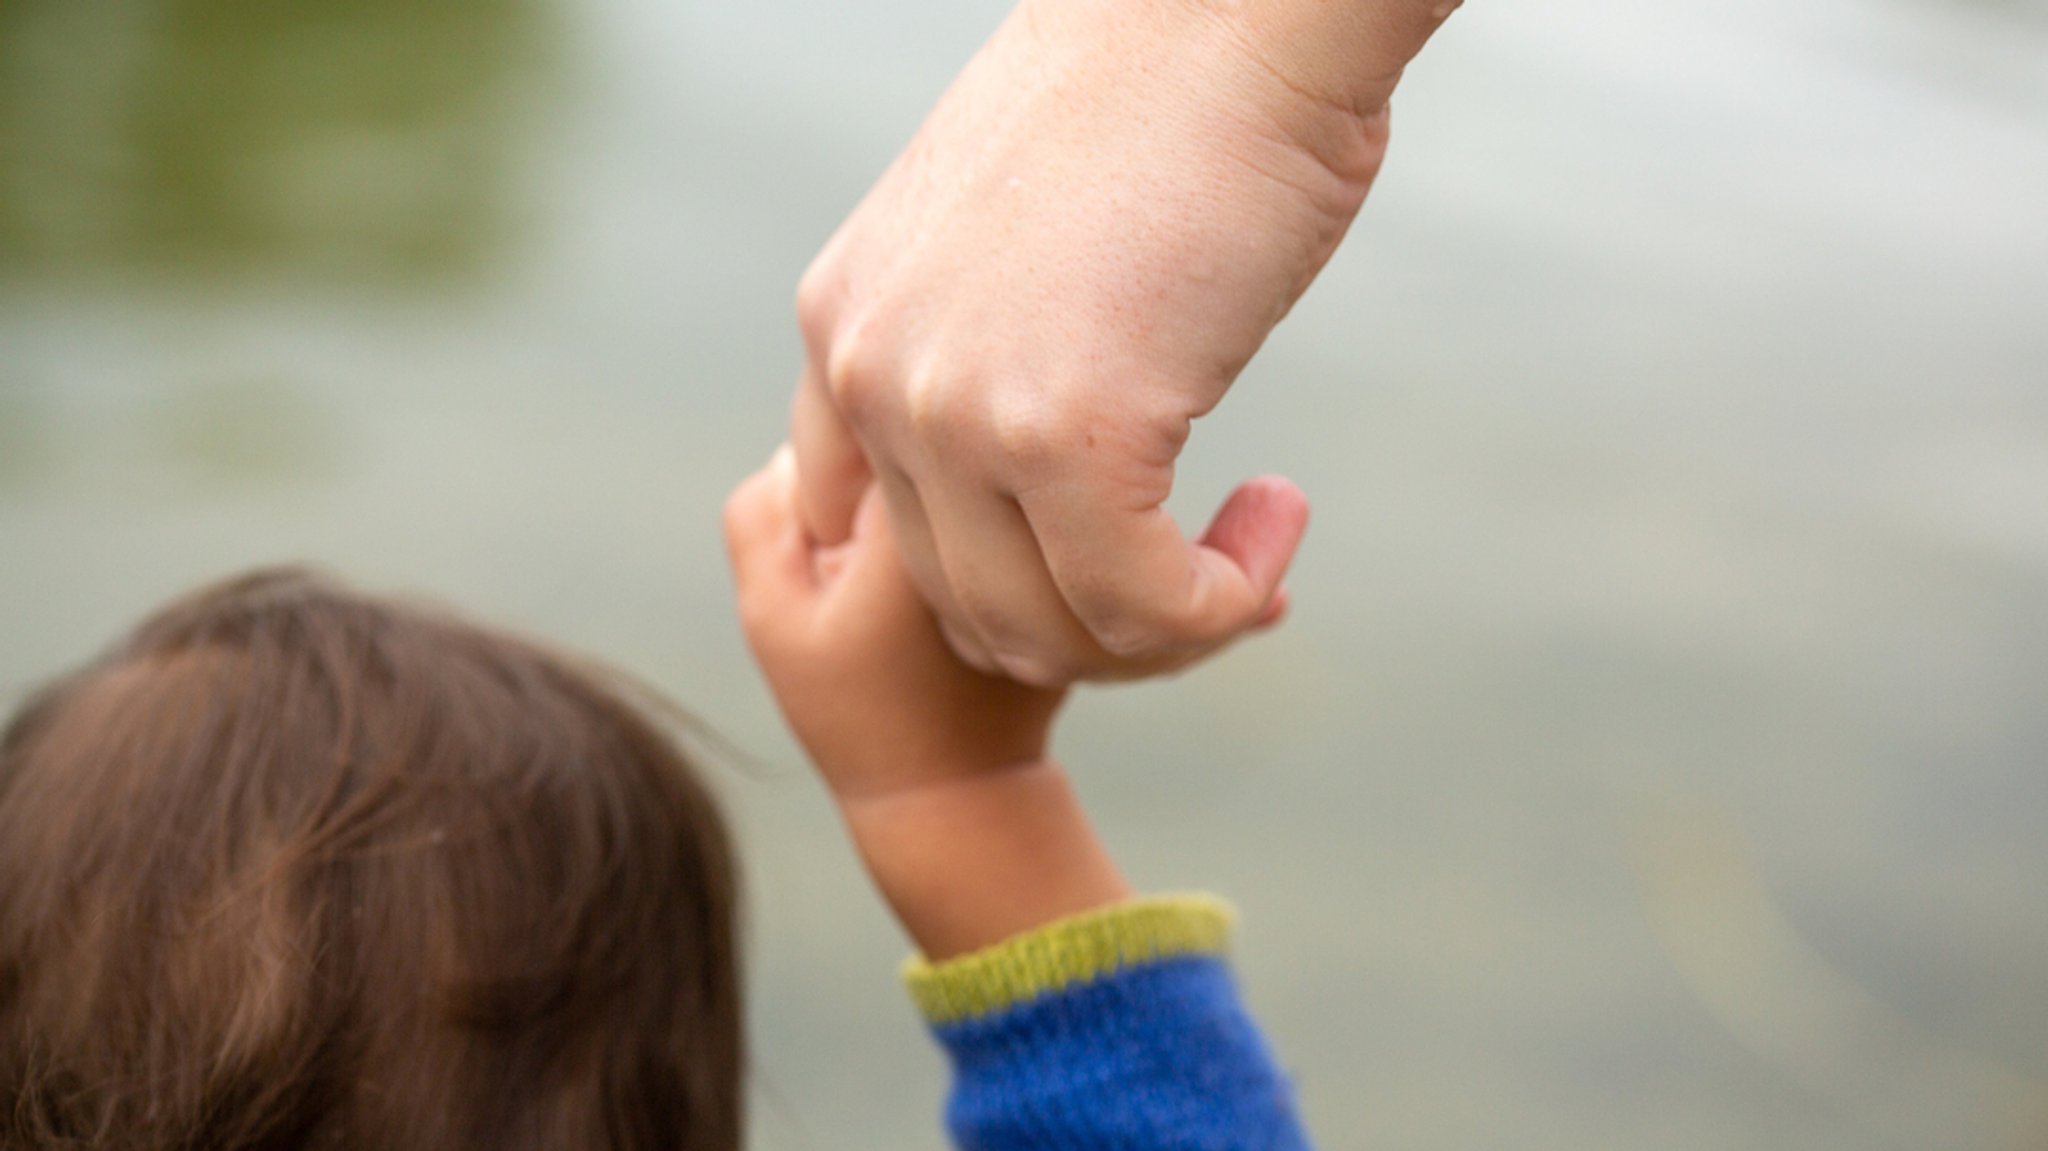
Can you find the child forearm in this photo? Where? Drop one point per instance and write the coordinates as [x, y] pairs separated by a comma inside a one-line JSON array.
[[1074, 1016], [970, 862]]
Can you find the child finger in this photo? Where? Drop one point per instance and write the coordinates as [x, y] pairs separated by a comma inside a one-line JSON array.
[[770, 556]]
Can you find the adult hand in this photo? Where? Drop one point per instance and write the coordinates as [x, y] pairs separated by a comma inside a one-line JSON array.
[[1074, 258]]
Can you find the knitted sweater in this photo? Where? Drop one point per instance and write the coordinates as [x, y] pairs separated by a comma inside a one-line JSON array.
[[1121, 1029]]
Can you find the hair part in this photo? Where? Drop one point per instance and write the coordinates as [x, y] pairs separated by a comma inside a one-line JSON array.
[[292, 867]]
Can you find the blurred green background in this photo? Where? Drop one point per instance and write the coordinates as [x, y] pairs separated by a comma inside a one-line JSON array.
[[1658, 755]]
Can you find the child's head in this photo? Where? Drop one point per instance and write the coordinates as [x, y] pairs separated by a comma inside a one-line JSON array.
[[289, 867]]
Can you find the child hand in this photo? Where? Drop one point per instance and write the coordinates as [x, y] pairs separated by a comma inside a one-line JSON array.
[[939, 770], [856, 660]]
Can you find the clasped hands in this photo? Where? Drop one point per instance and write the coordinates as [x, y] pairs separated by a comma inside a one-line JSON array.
[[1075, 257]]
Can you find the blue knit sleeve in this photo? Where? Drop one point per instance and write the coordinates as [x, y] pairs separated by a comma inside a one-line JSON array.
[[1122, 1029]]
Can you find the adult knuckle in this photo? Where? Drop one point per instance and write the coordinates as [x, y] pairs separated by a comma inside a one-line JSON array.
[[947, 414], [818, 295], [931, 404], [860, 369], [1034, 436], [982, 421]]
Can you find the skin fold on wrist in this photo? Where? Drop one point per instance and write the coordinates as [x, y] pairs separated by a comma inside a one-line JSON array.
[[1319, 72], [969, 862]]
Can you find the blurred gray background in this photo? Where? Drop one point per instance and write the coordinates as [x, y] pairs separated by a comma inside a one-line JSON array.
[[1656, 755]]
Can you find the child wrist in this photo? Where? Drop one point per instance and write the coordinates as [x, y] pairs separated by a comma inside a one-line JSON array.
[[970, 862]]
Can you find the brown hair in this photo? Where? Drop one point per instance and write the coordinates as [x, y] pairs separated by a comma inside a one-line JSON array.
[[290, 867]]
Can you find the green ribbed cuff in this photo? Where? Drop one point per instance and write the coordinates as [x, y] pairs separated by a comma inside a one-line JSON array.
[[1082, 949]]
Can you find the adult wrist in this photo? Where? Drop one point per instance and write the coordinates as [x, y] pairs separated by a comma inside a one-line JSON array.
[[1314, 73], [1345, 52]]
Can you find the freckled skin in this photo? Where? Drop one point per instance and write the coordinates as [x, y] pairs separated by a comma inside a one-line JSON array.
[[1074, 258]]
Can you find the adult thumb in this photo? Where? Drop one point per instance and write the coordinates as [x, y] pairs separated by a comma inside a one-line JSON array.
[[1259, 528]]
